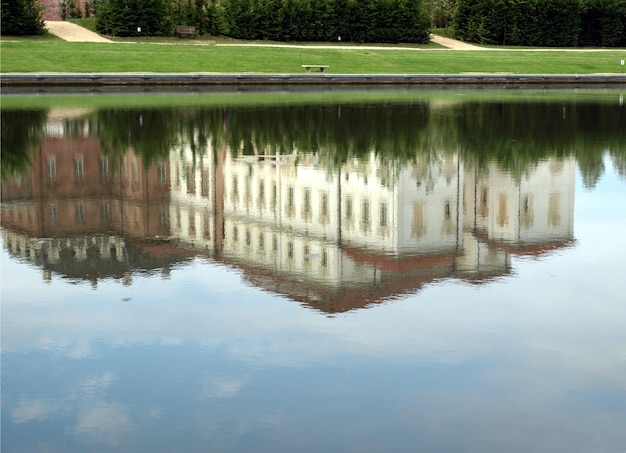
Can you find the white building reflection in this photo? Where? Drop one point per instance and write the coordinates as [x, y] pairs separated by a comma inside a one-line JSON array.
[[368, 230], [337, 237]]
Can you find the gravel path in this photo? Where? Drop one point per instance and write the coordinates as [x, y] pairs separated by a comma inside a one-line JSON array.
[[75, 33], [72, 32], [453, 43]]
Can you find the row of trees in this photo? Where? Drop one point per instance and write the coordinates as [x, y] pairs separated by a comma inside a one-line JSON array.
[[388, 21], [21, 17], [514, 134], [554, 23], [551, 23]]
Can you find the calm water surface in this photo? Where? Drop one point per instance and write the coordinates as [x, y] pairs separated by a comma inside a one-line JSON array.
[[436, 271]]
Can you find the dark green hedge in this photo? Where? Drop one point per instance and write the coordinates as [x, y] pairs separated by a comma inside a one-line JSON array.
[[603, 23], [549, 23], [21, 17], [385, 21], [134, 18]]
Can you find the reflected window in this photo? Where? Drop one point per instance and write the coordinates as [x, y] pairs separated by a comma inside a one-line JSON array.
[[502, 218], [105, 210], [448, 226], [324, 258], [290, 201], [235, 189], [204, 182], [274, 195], [261, 194], [235, 234], [383, 215], [307, 202], [53, 213], [80, 211], [248, 191], [365, 213], [527, 217], [290, 250], [349, 208], [191, 180], [135, 172], [104, 167], [163, 216], [483, 207], [162, 173], [554, 209], [324, 204], [192, 222], [556, 166], [261, 241], [79, 168], [418, 222], [206, 223], [52, 168]]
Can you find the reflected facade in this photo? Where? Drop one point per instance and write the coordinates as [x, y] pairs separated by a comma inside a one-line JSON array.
[[334, 236]]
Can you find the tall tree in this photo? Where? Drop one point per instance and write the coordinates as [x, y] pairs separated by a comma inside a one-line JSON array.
[[21, 17], [134, 17]]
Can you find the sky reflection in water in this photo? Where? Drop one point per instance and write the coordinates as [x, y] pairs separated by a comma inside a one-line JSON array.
[[519, 347]]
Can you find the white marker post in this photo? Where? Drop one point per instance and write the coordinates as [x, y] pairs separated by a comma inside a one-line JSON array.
[[622, 63]]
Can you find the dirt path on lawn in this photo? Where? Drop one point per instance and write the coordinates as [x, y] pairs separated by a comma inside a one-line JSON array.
[[68, 31], [75, 33]]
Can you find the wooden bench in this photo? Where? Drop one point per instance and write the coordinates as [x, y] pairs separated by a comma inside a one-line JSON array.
[[185, 30], [319, 67]]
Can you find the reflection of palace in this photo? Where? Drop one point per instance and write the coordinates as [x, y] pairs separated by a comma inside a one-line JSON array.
[[85, 209], [335, 238]]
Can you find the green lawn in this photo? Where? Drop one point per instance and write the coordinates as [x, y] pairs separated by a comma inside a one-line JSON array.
[[186, 56]]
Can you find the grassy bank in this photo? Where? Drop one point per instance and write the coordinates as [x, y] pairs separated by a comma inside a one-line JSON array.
[[435, 98], [59, 56]]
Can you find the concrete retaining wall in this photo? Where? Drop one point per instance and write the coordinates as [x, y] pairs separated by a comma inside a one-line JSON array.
[[104, 80]]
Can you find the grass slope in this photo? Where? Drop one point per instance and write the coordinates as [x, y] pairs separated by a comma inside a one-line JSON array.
[[38, 56]]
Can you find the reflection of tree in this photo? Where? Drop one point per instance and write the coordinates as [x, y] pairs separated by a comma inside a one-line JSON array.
[[195, 128], [151, 133], [619, 162], [22, 130], [336, 132], [591, 168], [518, 134], [514, 134]]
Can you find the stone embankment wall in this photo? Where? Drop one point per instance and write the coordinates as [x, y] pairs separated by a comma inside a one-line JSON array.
[[110, 81]]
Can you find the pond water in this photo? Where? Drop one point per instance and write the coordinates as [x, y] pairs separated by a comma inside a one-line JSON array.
[[337, 271]]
